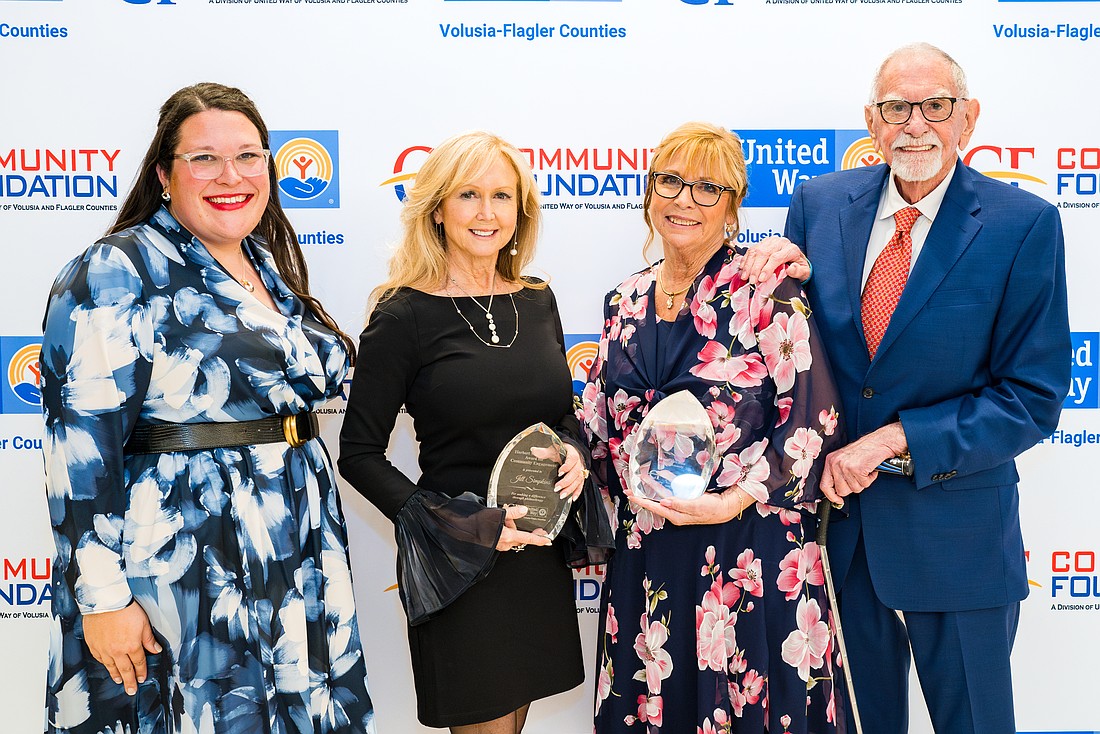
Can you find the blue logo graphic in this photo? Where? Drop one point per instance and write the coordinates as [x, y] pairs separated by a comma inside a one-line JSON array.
[[1083, 372], [779, 160], [307, 163], [580, 353], [21, 392]]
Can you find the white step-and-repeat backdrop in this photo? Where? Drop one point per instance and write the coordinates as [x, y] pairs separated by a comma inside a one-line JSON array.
[[364, 88]]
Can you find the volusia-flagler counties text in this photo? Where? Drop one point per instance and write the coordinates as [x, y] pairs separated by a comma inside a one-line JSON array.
[[1061, 30], [529, 32]]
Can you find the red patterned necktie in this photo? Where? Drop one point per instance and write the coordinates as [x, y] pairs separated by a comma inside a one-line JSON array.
[[887, 279]]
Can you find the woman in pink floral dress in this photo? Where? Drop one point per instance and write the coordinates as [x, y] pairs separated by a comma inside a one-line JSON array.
[[715, 617]]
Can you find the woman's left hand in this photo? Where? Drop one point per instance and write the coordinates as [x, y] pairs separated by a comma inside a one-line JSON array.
[[571, 475], [710, 508]]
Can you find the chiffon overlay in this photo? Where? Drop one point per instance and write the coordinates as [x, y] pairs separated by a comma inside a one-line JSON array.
[[509, 634], [718, 628], [237, 555]]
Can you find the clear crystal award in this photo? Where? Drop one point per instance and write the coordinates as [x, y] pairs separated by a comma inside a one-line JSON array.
[[525, 474], [675, 452]]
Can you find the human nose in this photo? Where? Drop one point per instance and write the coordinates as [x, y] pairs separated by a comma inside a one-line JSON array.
[[685, 198], [485, 208], [229, 173], [917, 122]]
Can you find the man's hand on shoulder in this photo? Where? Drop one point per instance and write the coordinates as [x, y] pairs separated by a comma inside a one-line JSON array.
[[764, 257]]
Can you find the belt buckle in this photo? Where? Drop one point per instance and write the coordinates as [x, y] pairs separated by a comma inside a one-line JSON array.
[[290, 431]]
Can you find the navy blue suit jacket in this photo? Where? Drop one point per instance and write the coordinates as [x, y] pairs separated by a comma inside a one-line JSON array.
[[975, 364]]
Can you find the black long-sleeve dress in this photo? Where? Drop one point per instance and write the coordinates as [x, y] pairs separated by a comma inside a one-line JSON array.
[[511, 636]]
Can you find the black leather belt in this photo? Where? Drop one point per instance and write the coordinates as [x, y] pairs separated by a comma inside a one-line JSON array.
[[157, 438]]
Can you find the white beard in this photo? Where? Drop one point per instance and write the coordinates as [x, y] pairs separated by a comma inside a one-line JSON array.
[[915, 168]]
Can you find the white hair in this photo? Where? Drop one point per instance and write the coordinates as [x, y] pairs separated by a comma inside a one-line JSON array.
[[958, 76]]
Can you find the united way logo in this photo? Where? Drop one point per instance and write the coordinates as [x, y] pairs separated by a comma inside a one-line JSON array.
[[22, 392], [307, 163], [861, 153], [580, 354]]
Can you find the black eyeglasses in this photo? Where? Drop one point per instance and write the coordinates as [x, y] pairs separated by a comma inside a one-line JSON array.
[[703, 193], [934, 109]]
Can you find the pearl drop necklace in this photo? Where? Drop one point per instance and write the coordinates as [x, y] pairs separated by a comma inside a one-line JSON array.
[[494, 339]]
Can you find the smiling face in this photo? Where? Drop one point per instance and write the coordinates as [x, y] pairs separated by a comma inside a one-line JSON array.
[[479, 217], [222, 211], [689, 231], [920, 153]]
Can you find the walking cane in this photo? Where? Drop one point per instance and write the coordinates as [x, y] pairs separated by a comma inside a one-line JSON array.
[[823, 511]]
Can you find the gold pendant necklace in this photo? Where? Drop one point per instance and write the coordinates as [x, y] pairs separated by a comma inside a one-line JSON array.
[[670, 298], [243, 280]]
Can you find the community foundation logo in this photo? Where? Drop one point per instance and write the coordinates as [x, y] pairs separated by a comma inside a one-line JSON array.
[[591, 174], [25, 587], [22, 392], [307, 163]]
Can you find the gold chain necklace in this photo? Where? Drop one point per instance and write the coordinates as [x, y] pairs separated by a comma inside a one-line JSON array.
[[670, 298]]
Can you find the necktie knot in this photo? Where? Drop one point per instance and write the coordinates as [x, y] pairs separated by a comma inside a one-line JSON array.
[[905, 218]]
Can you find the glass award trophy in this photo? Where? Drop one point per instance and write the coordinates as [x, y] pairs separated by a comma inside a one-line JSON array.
[[675, 451], [525, 474]]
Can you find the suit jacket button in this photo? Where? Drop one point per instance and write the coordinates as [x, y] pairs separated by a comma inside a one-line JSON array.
[[937, 477], [868, 392], [950, 474]]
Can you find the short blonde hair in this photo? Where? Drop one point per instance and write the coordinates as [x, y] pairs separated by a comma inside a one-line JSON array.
[[701, 146], [420, 259]]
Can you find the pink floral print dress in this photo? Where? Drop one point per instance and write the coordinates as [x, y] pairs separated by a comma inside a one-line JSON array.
[[718, 628]]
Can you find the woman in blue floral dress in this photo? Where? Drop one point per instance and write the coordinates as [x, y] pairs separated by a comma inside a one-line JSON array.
[[201, 582], [714, 617]]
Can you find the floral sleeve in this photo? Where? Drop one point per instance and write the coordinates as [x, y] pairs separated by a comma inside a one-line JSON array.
[[783, 467], [96, 367]]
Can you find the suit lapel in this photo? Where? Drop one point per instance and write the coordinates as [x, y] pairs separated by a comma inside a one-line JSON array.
[[952, 232], [856, 221]]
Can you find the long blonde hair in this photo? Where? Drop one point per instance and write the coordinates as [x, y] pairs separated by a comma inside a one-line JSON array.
[[712, 150], [420, 259]]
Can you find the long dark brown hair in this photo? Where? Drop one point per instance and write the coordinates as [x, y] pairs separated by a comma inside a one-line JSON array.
[[274, 228]]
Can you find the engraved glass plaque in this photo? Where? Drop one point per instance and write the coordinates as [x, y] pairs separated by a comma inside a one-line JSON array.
[[674, 451], [525, 474]]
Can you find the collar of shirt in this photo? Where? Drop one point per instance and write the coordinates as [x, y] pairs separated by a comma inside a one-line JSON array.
[[890, 203]]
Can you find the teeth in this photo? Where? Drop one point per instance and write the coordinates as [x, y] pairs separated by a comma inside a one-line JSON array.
[[484, 232], [677, 220], [239, 198]]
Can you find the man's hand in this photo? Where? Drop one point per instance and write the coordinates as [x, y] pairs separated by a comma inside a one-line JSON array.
[[852, 469], [764, 257]]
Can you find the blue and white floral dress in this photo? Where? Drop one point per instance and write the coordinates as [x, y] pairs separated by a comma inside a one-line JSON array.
[[238, 555]]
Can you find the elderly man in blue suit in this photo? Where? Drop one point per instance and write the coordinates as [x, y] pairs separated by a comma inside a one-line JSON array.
[[956, 351]]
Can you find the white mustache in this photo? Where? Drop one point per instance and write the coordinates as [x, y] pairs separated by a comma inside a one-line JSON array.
[[905, 139]]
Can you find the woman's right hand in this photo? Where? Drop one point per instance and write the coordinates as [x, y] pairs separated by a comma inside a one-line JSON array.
[[511, 537], [119, 640]]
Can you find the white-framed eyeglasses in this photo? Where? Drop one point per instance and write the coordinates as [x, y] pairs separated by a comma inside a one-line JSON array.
[[206, 166]]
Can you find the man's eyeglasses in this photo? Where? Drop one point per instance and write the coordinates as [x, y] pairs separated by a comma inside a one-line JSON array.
[[703, 193], [207, 166], [934, 109]]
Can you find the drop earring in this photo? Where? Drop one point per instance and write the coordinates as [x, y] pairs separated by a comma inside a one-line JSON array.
[[166, 195], [515, 239], [731, 232]]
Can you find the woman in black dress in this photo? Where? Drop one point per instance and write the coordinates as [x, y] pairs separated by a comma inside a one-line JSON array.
[[475, 352]]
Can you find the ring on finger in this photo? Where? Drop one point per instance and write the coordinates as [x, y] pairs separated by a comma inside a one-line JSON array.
[[518, 548]]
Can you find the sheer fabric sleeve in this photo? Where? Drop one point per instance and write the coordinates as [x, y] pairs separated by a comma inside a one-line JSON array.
[[587, 535], [95, 366], [444, 544], [784, 468]]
